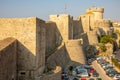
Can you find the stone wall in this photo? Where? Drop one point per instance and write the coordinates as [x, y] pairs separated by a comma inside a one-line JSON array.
[[52, 37], [24, 30], [72, 53], [56, 75], [92, 38], [117, 31], [85, 40], [76, 52], [77, 29], [98, 12], [31, 43], [85, 21], [70, 27], [103, 24], [8, 56], [40, 47], [64, 24], [92, 21], [59, 58]]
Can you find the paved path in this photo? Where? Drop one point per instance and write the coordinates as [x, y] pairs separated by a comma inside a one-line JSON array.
[[101, 71]]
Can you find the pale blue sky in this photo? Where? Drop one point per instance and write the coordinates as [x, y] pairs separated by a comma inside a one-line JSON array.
[[43, 8]]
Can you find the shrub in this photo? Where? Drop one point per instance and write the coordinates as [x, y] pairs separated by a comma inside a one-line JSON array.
[[106, 38], [115, 62], [102, 47]]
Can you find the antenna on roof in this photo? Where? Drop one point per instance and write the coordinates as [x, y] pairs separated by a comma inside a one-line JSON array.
[[65, 7], [93, 6]]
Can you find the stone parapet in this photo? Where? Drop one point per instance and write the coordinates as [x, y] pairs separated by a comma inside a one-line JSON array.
[[55, 75], [100, 9]]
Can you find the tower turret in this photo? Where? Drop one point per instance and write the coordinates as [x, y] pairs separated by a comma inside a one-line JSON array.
[[98, 12]]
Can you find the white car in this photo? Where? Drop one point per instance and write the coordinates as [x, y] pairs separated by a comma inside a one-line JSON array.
[[116, 77], [74, 73], [82, 73], [106, 66], [101, 57]]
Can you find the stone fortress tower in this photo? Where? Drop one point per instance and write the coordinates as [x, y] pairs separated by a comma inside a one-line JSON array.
[[93, 22], [98, 12]]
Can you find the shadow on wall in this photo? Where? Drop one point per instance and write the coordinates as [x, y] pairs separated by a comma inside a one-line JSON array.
[[77, 29], [53, 38], [60, 58], [25, 62], [52, 75], [102, 32], [8, 59]]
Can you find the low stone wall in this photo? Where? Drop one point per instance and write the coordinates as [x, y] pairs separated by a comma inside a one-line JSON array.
[[55, 76], [8, 60]]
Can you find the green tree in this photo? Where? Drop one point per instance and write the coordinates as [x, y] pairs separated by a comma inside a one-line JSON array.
[[116, 63], [102, 47], [91, 50], [106, 38]]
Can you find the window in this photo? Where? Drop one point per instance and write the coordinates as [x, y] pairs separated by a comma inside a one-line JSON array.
[[22, 73]]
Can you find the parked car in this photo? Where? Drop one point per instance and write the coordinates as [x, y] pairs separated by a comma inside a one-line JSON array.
[[82, 73], [91, 79], [83, 79], [111, 73], [89, 62], [87, 66], [107, 65], [88, 69], [63, 75], [75, 78], [98, 78], [111, 70], [108, 69], [101, 57], [92, 70], [117, 77], [95, 74], [100, 61], [66, 78], [74, 73]]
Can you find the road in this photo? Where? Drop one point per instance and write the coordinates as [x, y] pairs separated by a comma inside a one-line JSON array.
[[101, 71]]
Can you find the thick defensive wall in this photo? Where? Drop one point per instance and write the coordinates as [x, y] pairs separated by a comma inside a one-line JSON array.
[[30, 34]]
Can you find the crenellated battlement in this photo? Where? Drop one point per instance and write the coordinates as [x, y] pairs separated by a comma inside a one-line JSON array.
[[62, 16], [100, 9]]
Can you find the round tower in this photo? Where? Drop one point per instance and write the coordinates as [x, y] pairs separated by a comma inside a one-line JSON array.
[[98, 12]]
